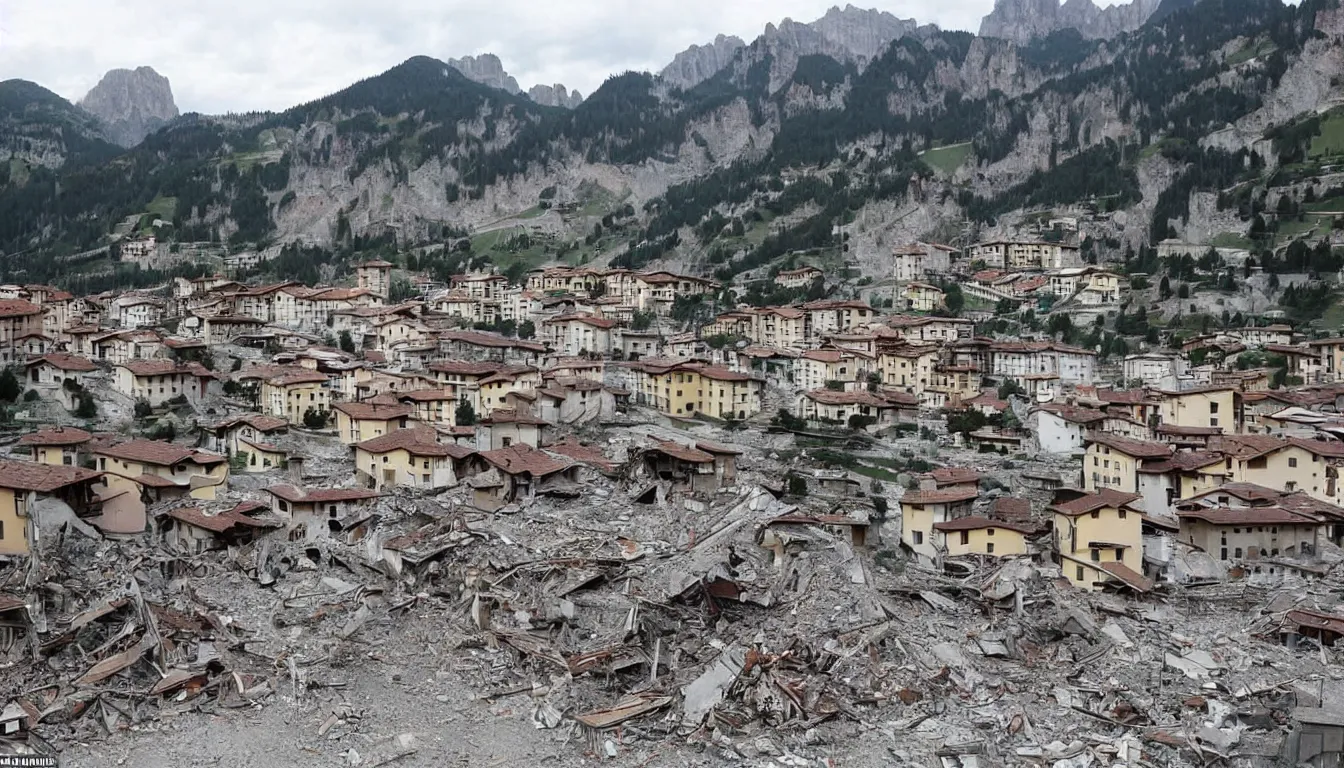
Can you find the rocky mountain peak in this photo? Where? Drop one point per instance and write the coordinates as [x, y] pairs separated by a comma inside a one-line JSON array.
[[1023, 20], [486, 69], [848, 34], [131, 104]]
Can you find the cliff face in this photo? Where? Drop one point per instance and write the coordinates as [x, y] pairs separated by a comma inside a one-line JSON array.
[[131, 104], [486, 69], [555, 96], [699, 62], [1023, 20]]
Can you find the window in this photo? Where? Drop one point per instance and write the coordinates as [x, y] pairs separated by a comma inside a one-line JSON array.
[[1224, 553], [965, 537], [919, 537], [1096, 513], [67, 460], [1213, 408], [1096, 555], [1292, 461], [1124, 514], [989, 548], [1095, 461], [384, 459], [1080, 573], [1119, 555], [1237, 553], [102, 464], [989, 531]]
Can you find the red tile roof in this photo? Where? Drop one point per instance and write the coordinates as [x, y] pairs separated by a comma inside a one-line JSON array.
[[682, 452], [429, 395], [524, 459], [941, 496], [221, 522], [18, 308], [1128, 576], [1247, 516], [66, 362], [417, 442], [1094, 501], [373, 411], [41, 478], [510, 416], [596, 322], [1011, 509], [1141, 449], [1073, 414], [156, 452], [977, 523], [290, 379], [584, 454], [154, 368], [953, 476], [57, 436]]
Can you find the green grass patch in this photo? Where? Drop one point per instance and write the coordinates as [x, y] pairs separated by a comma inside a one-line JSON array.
[[1292, 229], [18, 172], [1330, 142], [162, 207], [1231, 240], [1253, 50], [1334, 316], [947, 159]]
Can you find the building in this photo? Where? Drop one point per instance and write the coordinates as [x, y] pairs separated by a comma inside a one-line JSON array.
[[815, 367], [802, 277], [831, 316], [1213, 406], [290, 396], [1099, 540], [981, 536], [60, 369], [131, 465], [684, 388], [408, 458], [918, 261], [361, 421], [915, 328], [1025, 255], [63, 446], [1250, 534], [578, 335], [922, 509], [317, 513], [1112, 463], [29, 489], [505, 428], [880, 409], [18, 319], [433, 406], [233, 434], [193, 530], [1159, 370], [520, 472], [375, 276], [1062, 429], [922, 297], [160, 381], [1024, 361]]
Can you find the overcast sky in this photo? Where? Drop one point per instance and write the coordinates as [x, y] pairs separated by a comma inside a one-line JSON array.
[[240, 55]]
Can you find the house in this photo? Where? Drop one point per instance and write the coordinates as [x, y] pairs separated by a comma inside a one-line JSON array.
[[918, 261], [815, 367], [59, 369], [950, 478], [578, 335], [801, 277], [907, 367], [1024, 360], [700, 467], [518, 473], [317, 513], [503, 428], [193, 530], [1159, 370], [1247, 535], [685, 388], [922, 509], [432, 406], [18, 319], [228, 436], [375, 276], [62, 446], [922, 297], [480, 345], [29, 490], [918, 328], [159, 381], [1025, 255], [223, 329], [137, 311], [1099, 540], [409, 458], [831, 316], [1212, 406], [1062, 429], [361, 421], [573, 400], [162, 468], [290, 396], [1112, 463], [881, 409], [981, 536], [1283, 464]]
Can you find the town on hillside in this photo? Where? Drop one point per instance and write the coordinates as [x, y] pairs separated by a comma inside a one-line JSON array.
[[621, 515]]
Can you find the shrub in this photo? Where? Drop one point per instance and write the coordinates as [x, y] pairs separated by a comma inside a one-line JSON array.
[[465, 415], [879, 508], [10, 389], [238, 462], [859, 422], [143, 409], [315, 419], [31, 396], [87, 408], [797, 485]]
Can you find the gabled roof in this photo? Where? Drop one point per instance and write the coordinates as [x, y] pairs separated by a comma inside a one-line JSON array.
[[584, 454], [417, 442], [944, 476], [373, 411], [221, 522], [1247, 516], [1105, 497], [257, 421], [156, 452], [65, 362], [41, 478], [681, 452], [940, 496], [1141, 449], [155, 368], [522, 459], [18, 308], [303, 377], [56, 436], [512, 416], [978, 523], [320, 495], [1072, 413]]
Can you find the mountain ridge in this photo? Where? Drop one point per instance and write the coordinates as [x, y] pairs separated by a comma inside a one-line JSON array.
[[131, 104]]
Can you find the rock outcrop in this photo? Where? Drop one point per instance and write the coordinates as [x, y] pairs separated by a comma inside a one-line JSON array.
[[486, 69], [555, 96], [1023, 20], [850, 34], [131, 104]]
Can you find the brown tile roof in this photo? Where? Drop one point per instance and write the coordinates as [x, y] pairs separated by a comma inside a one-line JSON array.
[[156, 452], [63, 436], [1128, 576], [1331, 448], [718, 448], [511, 416], [1141, 449], [481, 339], [977, 523], [290, 379], [417, 442], [524, 459], [1208, 389], [373, 411], [584, 454], [940, 496], [41, 478], [1011, 509], [66, 362], [722, 374], [18, 308], [860, 397], [320, 495], [429, 395], [1247, 516], [1073, 413], [1178, 431], [1184, 461], [1094, 501], [596, 322], [257, 421], [154, 367], [1121, 396], [953, 476], [1247, 446], [824, 355], [682, 452], [221, 522]]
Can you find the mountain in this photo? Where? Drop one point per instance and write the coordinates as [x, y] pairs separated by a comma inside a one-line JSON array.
[[555, 96], [1023, 20], [131, 104], [487, 69], [848, 35], [1188, 126], [40, 129]]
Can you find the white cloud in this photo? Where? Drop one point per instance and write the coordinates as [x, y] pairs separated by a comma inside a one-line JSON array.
[[271, 54]]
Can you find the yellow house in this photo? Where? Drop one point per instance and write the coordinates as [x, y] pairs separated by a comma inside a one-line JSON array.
[[357, 422], [908, 368], [951, 385], [1112, 463], [921, 510], [131, 464], [261, 455], [24, 483], [290, 395], [684, 388], [981, 536], [1272, 462], [922, 297], [815, 367], [57, 445], [1331, 351], [1099, 540], [783, 327], [491, 391], [408, 458], [1218, 406]]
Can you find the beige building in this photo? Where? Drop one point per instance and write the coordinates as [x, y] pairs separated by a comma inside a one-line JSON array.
[[159, 381], [359, 422], [1099, 540], [291, 395], [1217, 406], [801, 277], [410, 458], [981, 536]]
